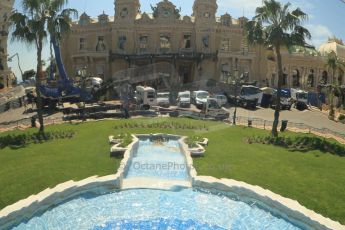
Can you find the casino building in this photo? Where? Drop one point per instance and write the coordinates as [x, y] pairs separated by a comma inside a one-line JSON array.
[[6, 75], [186, 49]]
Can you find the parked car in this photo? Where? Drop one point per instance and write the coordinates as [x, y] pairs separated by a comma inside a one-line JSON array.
[[221, 99], [163, 99], [183, 99], [211, 110], [200, 98]]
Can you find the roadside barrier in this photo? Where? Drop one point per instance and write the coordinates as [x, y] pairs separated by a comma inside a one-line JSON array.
[[291, 126]]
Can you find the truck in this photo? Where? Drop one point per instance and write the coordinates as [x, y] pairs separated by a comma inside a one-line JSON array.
[[300, 98], [247, 96], [285, 99], [211, 110], [145, 97]]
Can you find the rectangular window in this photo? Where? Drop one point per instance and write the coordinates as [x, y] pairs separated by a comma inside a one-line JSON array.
[[187, 39], [225, 46], [165, 42], [143, 43], [82, 44]]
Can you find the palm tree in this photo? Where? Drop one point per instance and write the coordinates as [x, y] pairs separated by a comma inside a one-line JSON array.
[[276, 26], [58, 23], [39, 19], [335, 64]]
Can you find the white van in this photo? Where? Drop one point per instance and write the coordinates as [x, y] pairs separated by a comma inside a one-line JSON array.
[[146, 96], [183, 99], [200, 98], [163, 99]]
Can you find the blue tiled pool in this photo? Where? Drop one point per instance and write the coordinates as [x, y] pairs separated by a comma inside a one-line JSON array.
[[157, 159], [156, 209]]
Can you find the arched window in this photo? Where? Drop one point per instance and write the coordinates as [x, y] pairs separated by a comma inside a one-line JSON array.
[[1, 65], [311, 78], [285, 79], [122, 42], [273, 79], [296, 78], [324, 77], [340, 77]]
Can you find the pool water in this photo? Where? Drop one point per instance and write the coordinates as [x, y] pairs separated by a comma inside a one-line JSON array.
[[163, 160], [156, 209]]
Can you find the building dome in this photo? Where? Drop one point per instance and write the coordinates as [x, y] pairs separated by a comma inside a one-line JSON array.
[[103, 18], [84, 19], [226, 19], [335, 45]]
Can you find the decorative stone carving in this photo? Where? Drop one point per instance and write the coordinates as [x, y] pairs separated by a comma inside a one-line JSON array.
[[100, 44], [166, 9]]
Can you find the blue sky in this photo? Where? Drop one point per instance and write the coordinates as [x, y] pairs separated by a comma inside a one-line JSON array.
[[326, 18]]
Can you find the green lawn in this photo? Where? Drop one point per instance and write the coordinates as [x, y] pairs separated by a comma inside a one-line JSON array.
[[315, 179]]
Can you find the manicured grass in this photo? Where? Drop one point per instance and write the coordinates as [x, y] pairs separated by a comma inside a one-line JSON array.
[[315, 179]]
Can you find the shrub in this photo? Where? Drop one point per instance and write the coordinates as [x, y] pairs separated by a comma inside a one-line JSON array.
[[126, 139], [191, 141], [21, 140], [300, 143]]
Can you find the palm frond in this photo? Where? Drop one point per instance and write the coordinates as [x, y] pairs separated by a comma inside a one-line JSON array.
[[278, 25], [57, 5]]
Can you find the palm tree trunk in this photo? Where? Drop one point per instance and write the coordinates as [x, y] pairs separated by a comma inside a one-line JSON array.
[[280, 81], [235, 111], [51, 61], [331, 97], [38, 84]]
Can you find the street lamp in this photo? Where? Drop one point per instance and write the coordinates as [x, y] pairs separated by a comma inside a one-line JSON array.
[[10, 60], [235, 83]]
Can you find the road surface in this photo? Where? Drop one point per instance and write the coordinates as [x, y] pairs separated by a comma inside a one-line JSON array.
[[313, 118]]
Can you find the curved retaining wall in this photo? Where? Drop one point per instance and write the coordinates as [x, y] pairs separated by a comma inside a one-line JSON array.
[[283, 207], [286, 208]]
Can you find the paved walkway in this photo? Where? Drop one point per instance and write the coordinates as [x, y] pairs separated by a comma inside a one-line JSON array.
[[18, 114]]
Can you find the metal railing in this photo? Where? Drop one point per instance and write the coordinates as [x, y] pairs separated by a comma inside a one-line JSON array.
[[291, 126]]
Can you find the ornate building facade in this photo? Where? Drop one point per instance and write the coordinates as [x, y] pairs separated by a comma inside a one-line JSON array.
[[199, 47], [6, 75]]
